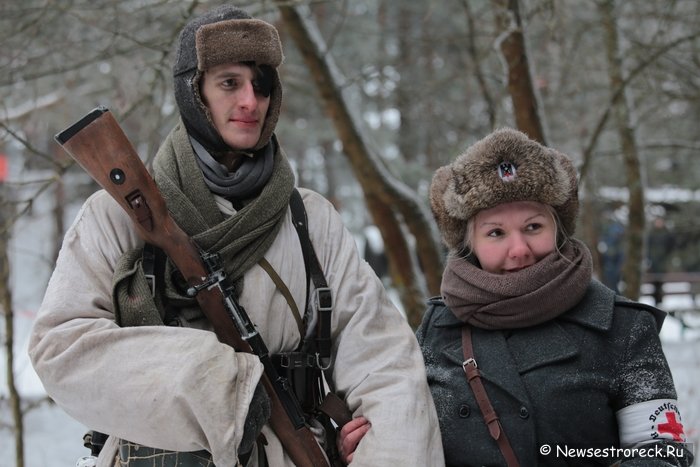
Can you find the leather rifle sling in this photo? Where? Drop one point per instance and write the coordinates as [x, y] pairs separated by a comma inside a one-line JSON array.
[[332, 405], [482, 399]]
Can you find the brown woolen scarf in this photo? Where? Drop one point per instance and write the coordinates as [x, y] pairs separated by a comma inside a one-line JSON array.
[[528, 297]]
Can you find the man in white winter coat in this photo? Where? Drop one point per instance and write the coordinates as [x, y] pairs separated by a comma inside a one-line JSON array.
[[173, 394]]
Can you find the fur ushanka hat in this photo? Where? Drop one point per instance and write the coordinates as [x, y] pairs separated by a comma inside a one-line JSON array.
[[224, 35], [503, 167]]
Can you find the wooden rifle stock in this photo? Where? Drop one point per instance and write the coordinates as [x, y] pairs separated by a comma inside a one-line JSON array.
[[99, 145]]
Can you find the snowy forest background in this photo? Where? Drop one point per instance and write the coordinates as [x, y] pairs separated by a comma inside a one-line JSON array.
[[377, 95]]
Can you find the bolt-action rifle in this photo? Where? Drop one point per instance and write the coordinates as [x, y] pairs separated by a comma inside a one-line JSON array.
[[99, 145]]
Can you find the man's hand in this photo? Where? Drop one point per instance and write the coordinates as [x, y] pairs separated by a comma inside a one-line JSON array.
[[350, 436]]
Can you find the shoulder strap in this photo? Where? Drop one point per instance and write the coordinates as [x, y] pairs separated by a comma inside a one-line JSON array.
[[282, 287], [323, 298], [296, 205], [482, 399]]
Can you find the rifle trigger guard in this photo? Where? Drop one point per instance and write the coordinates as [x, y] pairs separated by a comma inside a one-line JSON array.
[[140, 207]]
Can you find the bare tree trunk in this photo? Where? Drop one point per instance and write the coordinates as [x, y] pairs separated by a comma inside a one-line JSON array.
[[398, 202], [590, 227], [409, 134], [58, 215], [434, 156], [634, 241], [520, 87], [6, 305], [332, 171], [476, 62], [401, 263]]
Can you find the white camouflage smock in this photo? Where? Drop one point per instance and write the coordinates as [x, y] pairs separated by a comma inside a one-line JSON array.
[[180, 389]]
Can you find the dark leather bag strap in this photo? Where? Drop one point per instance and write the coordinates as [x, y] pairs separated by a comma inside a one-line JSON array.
[[473, 375]]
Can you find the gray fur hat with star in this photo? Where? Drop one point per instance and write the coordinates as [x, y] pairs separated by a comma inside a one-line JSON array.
[[225, 34], [503, 167]]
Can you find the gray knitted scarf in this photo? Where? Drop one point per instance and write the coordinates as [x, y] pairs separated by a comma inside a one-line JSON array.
[[245, 181], [241, 239], [528, 297]]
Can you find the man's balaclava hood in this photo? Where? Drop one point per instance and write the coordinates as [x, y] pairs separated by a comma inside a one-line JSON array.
[[224, 35], [503, 167]]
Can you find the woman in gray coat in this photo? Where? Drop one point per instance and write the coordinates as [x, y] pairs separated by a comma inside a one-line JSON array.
[[561, 370]]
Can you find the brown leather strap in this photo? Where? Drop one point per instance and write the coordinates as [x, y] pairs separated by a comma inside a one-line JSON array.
[[336, 409], [282, 287], [482, 399]]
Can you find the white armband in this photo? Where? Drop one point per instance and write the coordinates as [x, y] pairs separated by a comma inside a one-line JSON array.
[[650, 421]]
